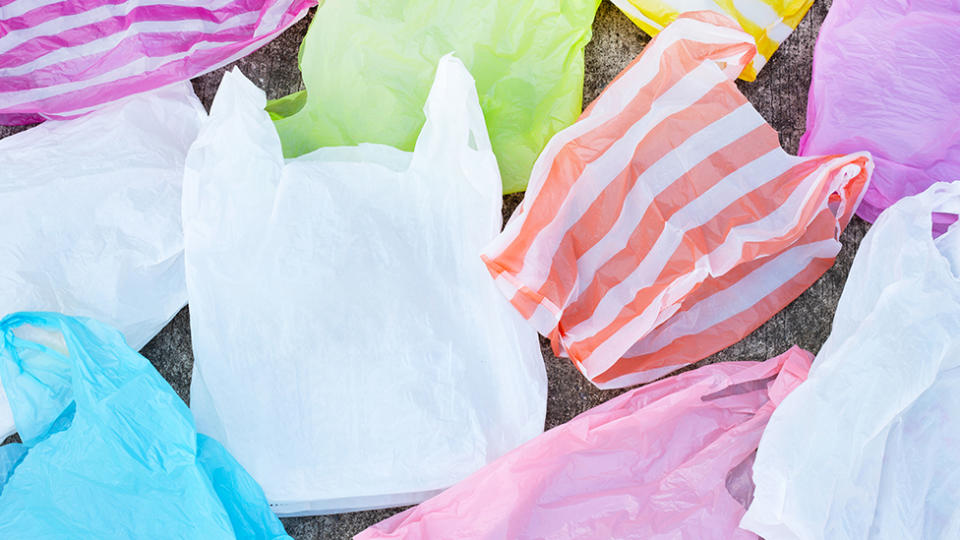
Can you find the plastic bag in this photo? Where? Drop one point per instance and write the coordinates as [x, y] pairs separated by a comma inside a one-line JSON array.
[[669, 460], [109, 449], [667, 223], [367, 67], [867, 447], [61, 59], [770, 22], [91, 215], [351, 350], [898, 98]]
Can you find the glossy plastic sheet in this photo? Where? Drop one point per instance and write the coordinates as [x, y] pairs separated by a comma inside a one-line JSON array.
[[61, 59], [886, 79], [770, 22], [109, 450], [667, 223], [91, 215], [351, 350], [669, 460], [367, 66], [867, 447]]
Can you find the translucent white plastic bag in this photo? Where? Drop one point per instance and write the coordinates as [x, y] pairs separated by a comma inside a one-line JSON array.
[[91, 215], [351, 350], [868, 446]]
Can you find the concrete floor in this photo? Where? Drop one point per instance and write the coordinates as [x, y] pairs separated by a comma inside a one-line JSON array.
[[779, 93]]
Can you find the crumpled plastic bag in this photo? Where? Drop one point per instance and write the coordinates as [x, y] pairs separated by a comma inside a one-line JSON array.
[[368, 65], [109, 450], [61, 59], [770, 22], [667, 223], [351, 350], [91, 215], [668, 460], [867, 447], [886, 79]]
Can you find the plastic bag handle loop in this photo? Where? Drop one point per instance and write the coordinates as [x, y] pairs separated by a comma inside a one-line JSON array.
[[946, 198], [78, 378], [941, 198], [454, 121], [453, 113], [46, 407], [11, 342]]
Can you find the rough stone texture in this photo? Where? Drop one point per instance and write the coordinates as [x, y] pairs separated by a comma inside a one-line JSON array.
[[779, 93], [6, 131]]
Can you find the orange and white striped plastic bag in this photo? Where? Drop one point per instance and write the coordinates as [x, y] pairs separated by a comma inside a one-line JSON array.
[[667, 223]]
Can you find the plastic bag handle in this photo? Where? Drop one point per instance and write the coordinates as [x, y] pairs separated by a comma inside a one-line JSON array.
[[939, 201], [11, 342], [49, 388], [47, 408], [453, 114], [946, 198], [454, 121]]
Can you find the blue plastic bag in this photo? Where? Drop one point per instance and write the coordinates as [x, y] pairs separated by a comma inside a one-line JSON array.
[[109, 450]]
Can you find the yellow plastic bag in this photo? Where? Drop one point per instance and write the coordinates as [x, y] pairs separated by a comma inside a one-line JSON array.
[[770, 22]]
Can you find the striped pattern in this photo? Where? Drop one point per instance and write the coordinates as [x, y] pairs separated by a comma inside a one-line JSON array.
[[667, 223], [62, 58], [770, 22]]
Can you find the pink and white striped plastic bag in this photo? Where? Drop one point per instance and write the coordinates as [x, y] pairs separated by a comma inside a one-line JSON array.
[[62, 58], [667, 223]]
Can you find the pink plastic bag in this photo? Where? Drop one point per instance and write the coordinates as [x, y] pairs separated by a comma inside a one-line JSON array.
[[60, 59], [886, 78], [668, 460], [667, 223]]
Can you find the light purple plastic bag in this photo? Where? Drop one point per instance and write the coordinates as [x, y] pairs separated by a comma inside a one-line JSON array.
[[886, 78]]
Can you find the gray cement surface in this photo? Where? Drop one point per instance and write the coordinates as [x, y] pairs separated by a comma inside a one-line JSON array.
[[779, 93]]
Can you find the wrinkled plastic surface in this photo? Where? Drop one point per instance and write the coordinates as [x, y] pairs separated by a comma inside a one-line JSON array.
[[351, 350], [669, 460], [61, 59], [367, 66], [867, 447], [667, 223], [886, 78], [109, 450], [91, 215], [770, 22]]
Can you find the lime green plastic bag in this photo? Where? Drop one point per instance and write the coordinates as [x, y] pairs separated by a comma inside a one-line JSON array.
[[368, 67]]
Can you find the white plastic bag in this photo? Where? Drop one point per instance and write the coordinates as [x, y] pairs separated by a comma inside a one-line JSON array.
[[351, 350], [91, 216], [868, 446]]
